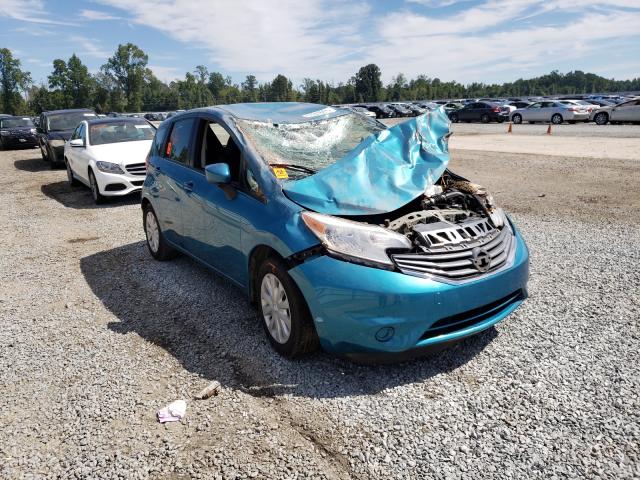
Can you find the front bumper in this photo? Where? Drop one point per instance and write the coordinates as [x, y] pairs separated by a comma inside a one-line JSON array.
[[19, 141], [116, 185], [358, 310]]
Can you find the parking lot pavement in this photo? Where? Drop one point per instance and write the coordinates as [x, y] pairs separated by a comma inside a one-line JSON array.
[[97, 336]]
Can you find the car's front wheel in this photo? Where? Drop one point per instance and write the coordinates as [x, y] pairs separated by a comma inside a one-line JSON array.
[[517, 118], [98, 198], [284, 312], [156, 243], [43, 152], [454, 118], [556, 119]]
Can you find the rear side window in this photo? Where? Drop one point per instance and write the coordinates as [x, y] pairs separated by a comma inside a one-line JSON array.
[[157, 148], [179, 146]]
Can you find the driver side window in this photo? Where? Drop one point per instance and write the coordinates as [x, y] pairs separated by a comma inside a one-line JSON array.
[[217, 146]]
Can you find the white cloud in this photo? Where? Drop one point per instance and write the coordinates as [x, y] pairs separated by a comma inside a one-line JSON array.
[[97, 15], [31, 11], [167, 74], [330, 39], [89, 47], [313, 38]]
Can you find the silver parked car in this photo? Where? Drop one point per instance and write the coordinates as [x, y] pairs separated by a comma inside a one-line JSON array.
[[554, 111], [623, 112]]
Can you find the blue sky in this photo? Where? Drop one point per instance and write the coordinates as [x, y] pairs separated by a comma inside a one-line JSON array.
[[464, 40]]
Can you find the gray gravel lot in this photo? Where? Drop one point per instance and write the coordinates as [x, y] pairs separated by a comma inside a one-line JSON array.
[[97, 336]]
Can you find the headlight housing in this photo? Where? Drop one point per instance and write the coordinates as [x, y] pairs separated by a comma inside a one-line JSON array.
[[359, 242], [32, 130], [56, 142], [109, 167], [3, 133]]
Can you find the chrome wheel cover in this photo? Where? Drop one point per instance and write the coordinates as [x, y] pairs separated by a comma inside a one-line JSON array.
[[275, 308], [152, 231]]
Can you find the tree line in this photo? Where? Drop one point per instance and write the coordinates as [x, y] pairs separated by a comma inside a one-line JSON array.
[[126, 84]]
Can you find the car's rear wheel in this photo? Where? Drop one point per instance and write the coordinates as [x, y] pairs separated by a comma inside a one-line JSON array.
[[72, 180], [156, 243], [454, 118], [284, 312], [98, 198], [601, 118], [556, 119], [517, 118], [485, 118]]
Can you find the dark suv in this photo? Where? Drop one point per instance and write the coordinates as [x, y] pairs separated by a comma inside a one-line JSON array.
[[17, 132], [55, 128]]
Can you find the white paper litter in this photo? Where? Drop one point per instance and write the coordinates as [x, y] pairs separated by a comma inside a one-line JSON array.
[[172, 412]]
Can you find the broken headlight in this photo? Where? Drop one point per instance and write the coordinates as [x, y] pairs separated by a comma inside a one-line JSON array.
[[355, 241]]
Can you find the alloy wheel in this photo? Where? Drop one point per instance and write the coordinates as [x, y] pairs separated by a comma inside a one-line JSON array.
[[153, 231], [94, 186], [275, 308]]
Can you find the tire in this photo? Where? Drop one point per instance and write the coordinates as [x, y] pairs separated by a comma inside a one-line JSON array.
[[52, 156], [484, 118], [43, 152], [73, 181], [556, 119], [601, 118], [454, 118], [157, 245], [517, 119], [98, 198], [275, 286]]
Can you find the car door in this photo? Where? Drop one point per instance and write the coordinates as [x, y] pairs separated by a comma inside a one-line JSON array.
[[81, 154], [214, 215], [533, 112], [170, 169], [465, 112], [625, 112], [70, 152]]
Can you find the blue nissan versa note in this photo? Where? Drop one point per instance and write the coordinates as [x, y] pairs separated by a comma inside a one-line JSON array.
[[345, 233]]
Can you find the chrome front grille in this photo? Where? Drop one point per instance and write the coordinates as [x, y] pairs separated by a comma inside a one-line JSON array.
[[460, 259], [137, 169]]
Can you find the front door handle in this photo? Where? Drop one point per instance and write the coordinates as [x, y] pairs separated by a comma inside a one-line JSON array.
[[188, 187]]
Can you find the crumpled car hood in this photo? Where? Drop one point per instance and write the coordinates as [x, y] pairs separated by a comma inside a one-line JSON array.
[[383, 173]]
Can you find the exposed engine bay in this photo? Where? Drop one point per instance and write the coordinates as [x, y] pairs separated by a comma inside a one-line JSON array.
[[456, 231]]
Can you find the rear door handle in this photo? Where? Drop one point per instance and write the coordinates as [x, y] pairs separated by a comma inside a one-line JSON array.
[[188, 187]]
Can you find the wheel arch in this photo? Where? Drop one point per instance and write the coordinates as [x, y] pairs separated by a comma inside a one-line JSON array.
[[258, 255]]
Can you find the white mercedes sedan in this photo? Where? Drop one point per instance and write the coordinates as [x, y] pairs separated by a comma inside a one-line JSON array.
[[108, 155]]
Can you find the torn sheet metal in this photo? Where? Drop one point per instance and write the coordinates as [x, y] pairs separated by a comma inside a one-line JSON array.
[[383, 173]]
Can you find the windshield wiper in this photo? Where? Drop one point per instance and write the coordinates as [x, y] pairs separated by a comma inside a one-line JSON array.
[[292, 166]]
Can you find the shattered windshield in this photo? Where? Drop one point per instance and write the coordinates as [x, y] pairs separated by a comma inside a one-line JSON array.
[[304, 148]]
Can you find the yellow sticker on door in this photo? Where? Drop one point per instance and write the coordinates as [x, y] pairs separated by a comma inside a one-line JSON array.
[[280, 172]]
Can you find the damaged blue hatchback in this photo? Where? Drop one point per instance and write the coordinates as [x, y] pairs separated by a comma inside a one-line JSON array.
[[345, 233]]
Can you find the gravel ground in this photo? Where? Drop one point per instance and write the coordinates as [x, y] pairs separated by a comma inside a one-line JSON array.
[[97, 336]]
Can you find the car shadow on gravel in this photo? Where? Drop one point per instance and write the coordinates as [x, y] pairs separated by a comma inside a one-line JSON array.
[[32, 165], [209, 326], [80, 197]]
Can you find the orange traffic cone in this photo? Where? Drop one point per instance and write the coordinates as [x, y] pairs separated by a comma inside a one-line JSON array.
[[549, 130], [510, 129]]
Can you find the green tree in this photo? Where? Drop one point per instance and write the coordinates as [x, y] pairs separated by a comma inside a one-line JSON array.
[[250, 89], [71, 83], [127, 68], [13, 82], [281, 90], [368, 83]]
